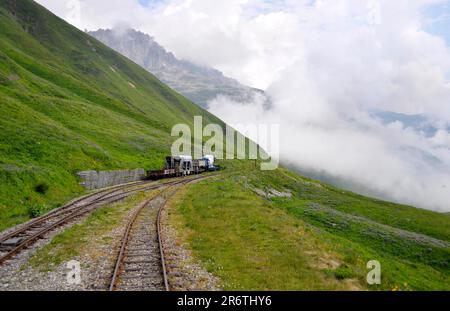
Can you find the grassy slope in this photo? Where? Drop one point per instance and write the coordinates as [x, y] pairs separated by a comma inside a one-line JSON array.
[[321, 238], [69, 103]]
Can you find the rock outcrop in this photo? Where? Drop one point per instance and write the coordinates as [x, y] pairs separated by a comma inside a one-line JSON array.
[[200, 84]]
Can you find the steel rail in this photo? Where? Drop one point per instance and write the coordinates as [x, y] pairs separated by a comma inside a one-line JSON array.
[[161, 248], [126, 237], [124, 243], [79, 211], [64, 209]]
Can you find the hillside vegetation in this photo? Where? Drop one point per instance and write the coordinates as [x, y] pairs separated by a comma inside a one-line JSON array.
[[68, 103], [247, 230]]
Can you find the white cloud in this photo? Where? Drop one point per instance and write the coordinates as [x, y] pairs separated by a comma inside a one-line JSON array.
[[328, 65]]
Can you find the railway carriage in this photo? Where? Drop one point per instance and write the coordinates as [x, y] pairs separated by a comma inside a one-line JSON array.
[[200, 166], [176, 166]]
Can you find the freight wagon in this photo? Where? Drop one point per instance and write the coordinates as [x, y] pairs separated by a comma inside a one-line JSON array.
[[176, 166]]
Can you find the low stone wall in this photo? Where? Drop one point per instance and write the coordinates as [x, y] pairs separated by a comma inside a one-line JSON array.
[[100, 179]]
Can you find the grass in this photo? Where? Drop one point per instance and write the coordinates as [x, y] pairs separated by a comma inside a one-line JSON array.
[[249, 245], [321, 238], [67, 105]]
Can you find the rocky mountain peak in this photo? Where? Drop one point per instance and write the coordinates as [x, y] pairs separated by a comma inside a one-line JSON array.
[[198, 83]]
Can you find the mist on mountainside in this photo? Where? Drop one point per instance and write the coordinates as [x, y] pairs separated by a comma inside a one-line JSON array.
[[198, 83]]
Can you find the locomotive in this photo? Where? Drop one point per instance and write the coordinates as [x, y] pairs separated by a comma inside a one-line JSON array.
[[176, 166]]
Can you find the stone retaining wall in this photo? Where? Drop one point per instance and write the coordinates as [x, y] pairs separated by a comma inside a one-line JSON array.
[[100, 179]]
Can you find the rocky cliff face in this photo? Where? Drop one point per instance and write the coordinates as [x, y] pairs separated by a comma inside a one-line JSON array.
[[199, 84]]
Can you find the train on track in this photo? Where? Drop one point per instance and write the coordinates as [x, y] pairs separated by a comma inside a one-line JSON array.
[[176, 166]]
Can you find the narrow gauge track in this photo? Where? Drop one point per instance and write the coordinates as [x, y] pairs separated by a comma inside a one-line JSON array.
[[71, 205], [13, 242], [140, 264]]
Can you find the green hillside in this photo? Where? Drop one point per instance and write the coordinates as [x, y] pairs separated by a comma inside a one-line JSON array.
[[319, 238], [69, 103]]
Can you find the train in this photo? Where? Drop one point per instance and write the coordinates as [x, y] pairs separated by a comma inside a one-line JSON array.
[[177, 166]]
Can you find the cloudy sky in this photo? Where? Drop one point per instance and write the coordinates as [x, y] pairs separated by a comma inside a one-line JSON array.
[[333, 69]]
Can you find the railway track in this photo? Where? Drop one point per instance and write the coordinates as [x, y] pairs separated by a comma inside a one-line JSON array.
[[26, 235], [73, 204], [140, 264]]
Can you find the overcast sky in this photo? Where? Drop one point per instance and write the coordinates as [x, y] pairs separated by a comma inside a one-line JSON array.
[[329, 66], [229, 34]]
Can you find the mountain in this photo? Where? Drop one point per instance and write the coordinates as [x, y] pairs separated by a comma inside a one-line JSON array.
[[199, 84], [69, 103]]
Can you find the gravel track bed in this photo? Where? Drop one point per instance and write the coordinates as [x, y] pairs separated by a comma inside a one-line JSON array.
[[16, 274], [96, 265], [141, 268]]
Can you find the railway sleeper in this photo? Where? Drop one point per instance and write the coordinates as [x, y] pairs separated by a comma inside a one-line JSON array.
[[13, 242], [27, 234], [140, 269], [147, 283], [137, 288], [136, 277], [139, 262], [139, 251], [139, 255]]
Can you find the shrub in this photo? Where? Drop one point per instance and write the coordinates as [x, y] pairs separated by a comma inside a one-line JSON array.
[[343, 272], [42, 188], [36, 210]]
